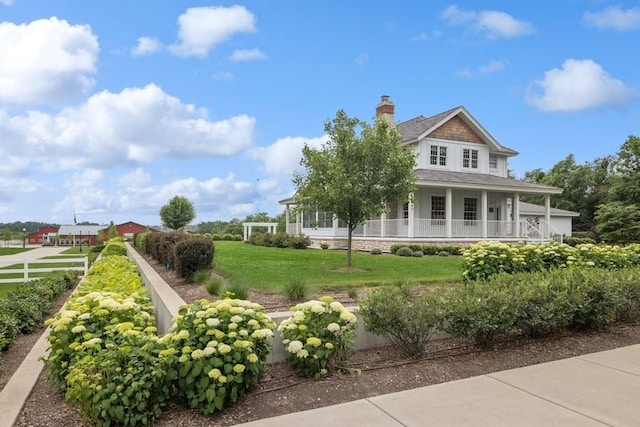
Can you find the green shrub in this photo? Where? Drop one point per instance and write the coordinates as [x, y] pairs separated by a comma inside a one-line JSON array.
[[352, 292], [299, 241], [417, 254], [406, 318], [627, 284], [236, 290], [214, 286], [595, 299], [481, 311], [319, 337], [575, 241], [193, 255], [296, 290], [280, 240], [376, 251], [220, 349], [8, 327], [324, 246], [404, 251], [126, 384], [443, 253], [201, 276]]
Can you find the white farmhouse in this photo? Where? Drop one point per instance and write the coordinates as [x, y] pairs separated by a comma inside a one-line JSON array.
[[462, 192]]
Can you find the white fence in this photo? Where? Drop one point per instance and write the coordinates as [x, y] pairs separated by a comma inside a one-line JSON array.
[[28, 269]]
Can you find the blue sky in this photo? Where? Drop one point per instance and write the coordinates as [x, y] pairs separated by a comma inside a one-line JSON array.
[[110, 108]]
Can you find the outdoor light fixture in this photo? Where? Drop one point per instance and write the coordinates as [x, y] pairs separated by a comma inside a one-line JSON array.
[[24, 237]]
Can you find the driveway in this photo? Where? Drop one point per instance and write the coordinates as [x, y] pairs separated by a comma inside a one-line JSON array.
[[39, 252]]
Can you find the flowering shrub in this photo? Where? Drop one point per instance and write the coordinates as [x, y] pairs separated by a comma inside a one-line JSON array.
[[219, 349], [103, 348], [122, 384], [318, 337], [485, 259]]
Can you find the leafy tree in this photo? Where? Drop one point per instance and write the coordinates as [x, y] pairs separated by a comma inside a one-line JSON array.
[[626, 186], [618, 222], [177, 213], [113, 231], [354, 175]]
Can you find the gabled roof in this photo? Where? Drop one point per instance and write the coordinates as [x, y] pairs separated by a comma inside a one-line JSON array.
[[532, 209], [431, 177], [420, 127]]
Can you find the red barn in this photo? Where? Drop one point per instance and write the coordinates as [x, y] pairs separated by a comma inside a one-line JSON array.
[[127, 230]]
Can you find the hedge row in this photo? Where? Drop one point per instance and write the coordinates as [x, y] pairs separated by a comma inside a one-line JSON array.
[[428, 249], [484, 259], [24, 309], [279, 240], [505, 306], [185, 253]]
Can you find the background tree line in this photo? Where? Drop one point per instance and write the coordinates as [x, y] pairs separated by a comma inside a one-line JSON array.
[[605, 191]]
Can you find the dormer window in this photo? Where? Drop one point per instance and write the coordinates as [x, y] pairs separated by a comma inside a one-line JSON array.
[[438, 155], [469, 158]]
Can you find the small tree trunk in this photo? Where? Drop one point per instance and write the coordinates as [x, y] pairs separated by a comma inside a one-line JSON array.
[[349, 247]]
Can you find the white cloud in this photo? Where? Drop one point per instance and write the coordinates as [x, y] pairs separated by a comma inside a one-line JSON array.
[[240, 55], [202, 28], [492, 67], [146, 46], [578, 85], [6, 2], [491, 23], [135, 179], [614, 18], [46, 61], [223, 75], [423, 37], [282, 158], [84, 178], [110, 129]]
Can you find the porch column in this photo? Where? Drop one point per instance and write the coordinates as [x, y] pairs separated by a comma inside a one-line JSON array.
[[383, 222], [299, 223], [335, 226], [485, 214], [449, 211], [516, 212], [286, 218], [410, 231], [547, 215]]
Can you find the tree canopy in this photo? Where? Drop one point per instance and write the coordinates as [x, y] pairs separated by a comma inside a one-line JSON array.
[[177, 213], [356, 172]]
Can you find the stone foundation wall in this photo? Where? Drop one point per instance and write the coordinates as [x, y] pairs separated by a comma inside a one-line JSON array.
[[365, 244]]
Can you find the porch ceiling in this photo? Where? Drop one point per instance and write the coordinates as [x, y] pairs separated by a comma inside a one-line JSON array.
[[478, 181]]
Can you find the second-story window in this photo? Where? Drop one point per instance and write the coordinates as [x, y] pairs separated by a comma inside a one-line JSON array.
[[438, 155], [470, 158], [493, 161]]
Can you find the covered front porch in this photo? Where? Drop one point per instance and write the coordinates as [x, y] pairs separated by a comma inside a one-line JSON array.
[[436, 214]]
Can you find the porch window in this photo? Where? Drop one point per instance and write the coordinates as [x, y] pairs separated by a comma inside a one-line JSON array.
[[470, 211], [405, 213], [493, 161], [469, 158], [438, 155], [325, 219], [308, 219], [438, 209]]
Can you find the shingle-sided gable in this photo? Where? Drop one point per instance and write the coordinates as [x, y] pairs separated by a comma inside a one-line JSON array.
[[456, 124], [456, 130]]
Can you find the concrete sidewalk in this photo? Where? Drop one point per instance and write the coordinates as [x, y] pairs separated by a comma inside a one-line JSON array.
[[36, 253], [599, 389]]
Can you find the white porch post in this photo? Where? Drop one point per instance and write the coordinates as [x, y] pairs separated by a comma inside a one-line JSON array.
[[547, 215], [246, 234], [286, 218], [383, 222], [335, 226], [516, 212], [485, 214], [299, 223], [449, 211], [411, 206]]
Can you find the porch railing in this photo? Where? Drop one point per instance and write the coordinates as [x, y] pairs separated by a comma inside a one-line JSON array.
[[438, 228]]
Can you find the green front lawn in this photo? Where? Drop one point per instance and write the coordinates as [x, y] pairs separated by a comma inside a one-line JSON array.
[[13, 251], [272, 268]]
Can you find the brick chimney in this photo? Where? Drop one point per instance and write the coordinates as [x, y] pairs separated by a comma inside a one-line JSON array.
[[385, 110]]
